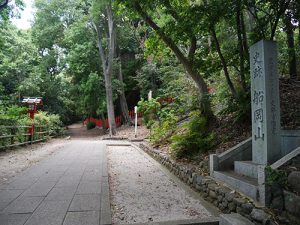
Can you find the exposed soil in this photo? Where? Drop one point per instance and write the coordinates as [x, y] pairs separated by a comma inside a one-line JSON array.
[[141, 192], [127, 132], [290, 104], [78, 130]]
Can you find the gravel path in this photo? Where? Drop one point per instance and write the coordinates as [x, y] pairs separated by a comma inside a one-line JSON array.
[[141, 192]]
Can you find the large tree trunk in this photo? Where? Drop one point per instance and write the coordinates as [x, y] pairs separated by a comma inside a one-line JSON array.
[[291, 48], [107, 62], [123, 102]]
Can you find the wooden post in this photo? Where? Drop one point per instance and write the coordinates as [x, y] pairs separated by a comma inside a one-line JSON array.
[[135, 127]]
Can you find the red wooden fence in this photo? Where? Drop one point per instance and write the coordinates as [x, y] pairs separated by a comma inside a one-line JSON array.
[[119, 120]]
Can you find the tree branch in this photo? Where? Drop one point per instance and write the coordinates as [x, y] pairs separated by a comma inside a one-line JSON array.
[[99, 43], [283, 6]]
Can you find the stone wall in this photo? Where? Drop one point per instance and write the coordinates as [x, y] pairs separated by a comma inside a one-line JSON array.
[[224, 198]]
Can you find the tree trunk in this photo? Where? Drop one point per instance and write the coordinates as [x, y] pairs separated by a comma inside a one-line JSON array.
[[123, 102], [291, 48], [224, 64], [110, 105], [245, 39], [241, 45], [107, 61], [198, 79]]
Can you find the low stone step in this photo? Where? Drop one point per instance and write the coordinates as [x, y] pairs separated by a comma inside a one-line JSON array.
[[200, 221], [246, 168], [234, 219], [243, 184]]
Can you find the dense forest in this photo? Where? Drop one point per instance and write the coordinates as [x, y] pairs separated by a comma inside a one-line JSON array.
[[90, 58]]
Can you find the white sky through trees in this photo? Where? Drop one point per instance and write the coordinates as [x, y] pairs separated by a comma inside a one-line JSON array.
[[26, 16]]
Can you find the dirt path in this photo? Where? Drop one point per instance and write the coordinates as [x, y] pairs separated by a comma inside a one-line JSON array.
[[141, 192], [78, 130]]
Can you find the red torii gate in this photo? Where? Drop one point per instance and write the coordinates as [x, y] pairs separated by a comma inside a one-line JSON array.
[[33, 103]]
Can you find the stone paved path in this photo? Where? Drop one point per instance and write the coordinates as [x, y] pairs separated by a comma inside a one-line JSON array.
[[69, 188]]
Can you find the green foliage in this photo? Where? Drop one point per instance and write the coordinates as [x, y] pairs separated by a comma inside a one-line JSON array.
[[90, 125], [276, 176], [193, 138], [51, 122], [13, 115], [162, 130], [149, 110]]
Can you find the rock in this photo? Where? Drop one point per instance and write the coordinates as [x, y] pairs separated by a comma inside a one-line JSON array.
[[212, 186], [239, 201], [276, 190], [283, 220], [198, 179], [294, 181], [224, 190], [224, 204], [205, 195], [220, 198], [213, 194], [232, 206], [292, 203], [277, 203], [207, 181], [247, 208], [203, 164], [239, 210], [230, 196], [215, 203], [259, 215]]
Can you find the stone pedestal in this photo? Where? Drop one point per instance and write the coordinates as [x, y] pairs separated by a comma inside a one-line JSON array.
[[265, 103]]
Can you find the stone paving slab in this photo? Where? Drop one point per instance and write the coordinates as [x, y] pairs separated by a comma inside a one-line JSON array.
[[13, 219], [9, 194], [5, 203], [89, 187], [49, 213], [40, 188], [89, 202], [23, 205], [61, 193], [21, 184], [82, 218]]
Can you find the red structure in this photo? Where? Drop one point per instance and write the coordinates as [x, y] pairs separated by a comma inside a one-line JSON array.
[[119, 120], [33, 104]]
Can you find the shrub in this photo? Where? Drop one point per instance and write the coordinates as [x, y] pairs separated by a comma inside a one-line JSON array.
[[51, 121], [149, 110], [276, 176], [163, 129], [90, 125], [13, 116], [194, 138]]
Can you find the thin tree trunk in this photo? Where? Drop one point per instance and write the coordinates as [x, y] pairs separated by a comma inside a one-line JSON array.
[[240, 43], [107, 62], [123, 102], [245, 39], [224, 64], [291, 48]]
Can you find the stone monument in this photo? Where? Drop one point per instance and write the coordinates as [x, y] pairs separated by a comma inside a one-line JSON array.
[[265, 103]]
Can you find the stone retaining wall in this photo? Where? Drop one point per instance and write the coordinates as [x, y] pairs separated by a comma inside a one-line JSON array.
[[224, 198]]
